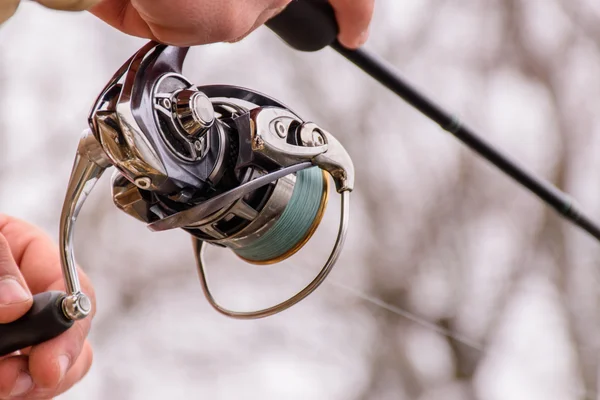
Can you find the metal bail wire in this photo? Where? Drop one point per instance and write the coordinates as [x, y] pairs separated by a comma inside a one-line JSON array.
[[199, 248]]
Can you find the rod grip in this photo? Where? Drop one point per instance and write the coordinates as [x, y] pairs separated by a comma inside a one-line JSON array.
[[44, 321], [306, 25]]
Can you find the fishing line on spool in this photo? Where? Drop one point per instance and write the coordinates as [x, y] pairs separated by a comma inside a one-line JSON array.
[[297, 223]]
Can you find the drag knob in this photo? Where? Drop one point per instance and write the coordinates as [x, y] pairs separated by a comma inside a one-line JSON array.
[[194, 112]]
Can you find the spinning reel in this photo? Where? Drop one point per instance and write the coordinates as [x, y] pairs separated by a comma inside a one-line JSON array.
[[232, 167]]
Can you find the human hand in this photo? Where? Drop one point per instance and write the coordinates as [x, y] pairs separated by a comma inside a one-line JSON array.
[[30, 263], [195, 22]]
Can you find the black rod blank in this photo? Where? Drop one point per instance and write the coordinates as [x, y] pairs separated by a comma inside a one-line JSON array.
[[385, 74]]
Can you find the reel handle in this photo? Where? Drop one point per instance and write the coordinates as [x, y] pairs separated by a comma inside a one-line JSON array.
[[306, 25], [54, 312], [44, 321]]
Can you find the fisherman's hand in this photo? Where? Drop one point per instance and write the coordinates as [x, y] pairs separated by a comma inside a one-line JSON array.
[[30, 263], [195, 22]]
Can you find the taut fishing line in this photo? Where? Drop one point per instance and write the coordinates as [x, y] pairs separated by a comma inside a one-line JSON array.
[[459, 338]]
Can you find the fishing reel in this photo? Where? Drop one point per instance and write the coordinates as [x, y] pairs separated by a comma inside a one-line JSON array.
[[232, 167]]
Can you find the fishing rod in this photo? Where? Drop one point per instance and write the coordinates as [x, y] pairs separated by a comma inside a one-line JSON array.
[[232, 167]]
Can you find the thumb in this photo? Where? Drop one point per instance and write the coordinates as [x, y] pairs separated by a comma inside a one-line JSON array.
[[15, 297]]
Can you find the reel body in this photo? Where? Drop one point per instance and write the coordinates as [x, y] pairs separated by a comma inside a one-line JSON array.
[[264, 226], [231, 166]]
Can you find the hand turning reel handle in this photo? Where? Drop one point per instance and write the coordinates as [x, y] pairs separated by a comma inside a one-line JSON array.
[[231, 166]]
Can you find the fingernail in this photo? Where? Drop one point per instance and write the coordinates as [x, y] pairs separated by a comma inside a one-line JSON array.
[[63, 363], [12, 292], [23, 385]]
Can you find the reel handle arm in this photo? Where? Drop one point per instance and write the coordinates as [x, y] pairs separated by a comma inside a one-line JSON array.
[[55, 312]]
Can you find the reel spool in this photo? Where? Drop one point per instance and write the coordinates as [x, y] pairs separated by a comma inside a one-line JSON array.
[[232, 167]]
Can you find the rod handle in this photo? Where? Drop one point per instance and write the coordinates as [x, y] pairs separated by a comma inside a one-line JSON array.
[[44, 321], [306, 25]]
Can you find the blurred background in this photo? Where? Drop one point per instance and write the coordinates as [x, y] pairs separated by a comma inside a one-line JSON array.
[[455, 283]]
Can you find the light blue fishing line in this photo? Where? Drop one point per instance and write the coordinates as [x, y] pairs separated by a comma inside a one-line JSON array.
[[295, 221]]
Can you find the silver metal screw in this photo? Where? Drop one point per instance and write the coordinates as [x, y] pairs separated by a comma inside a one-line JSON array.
[[143, 182], [280, 129], [166, 103]]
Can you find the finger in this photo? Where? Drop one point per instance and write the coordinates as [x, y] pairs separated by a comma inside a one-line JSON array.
[[14, 379], [36, 255], [123, 16], [50, 362], [8, 9], [185, 22], [68, 5], [33, 251], [15, 297], [79, 370], [40, 264], [354, 18], [75, 374]]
